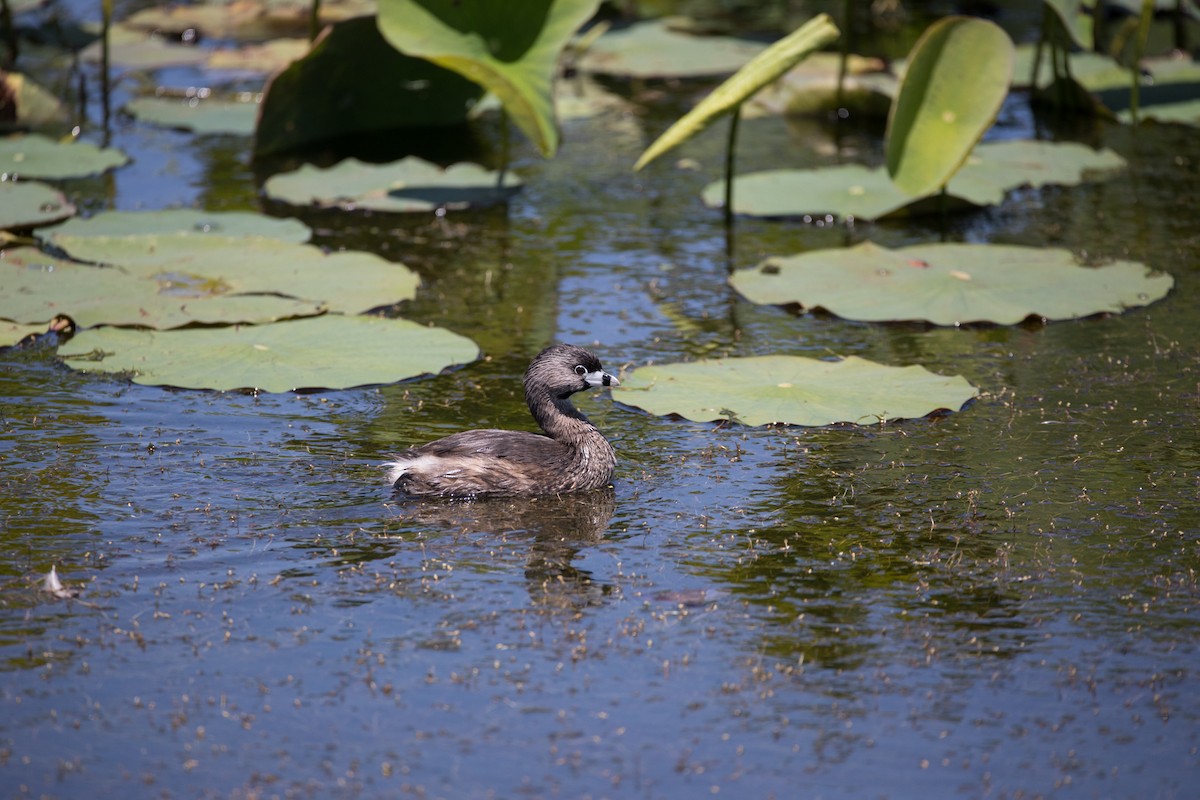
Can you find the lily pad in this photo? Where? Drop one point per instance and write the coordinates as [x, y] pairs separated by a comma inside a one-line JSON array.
[[201, 115], [35, 287], [210, 268], [812, 87], [957, 78], [652, 50], [182, 220], [28, 204], [411, 184], [792, 390], [511, 49], [353, 82], [860, 192], [331, 352], [761, 70], [244, 20], [267, 57], [29, 105], [951, 284], [134, 49], [36, 156]]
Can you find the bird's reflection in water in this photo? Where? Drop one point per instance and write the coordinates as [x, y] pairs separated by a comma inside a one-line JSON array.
[[557, 526]]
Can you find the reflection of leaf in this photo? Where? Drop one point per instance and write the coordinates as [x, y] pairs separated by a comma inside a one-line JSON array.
[[791, 390], [353, 82], [202, 116], [856, 191], [651, 50], [764, 68], [957, 78], [411, 184], [329, 352], [511, 49], [27, 204], [35, 156], [951, 284]]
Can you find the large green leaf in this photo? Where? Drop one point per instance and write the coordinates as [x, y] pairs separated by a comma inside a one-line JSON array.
[[951, 284], [330, 352], [792, 390], [353, 82], [510, 48], [36, 156], [856, 191], [205, 116], [763, 69], [28, 204], [181, 220], [958, 75], [411, 184], [207, 267], [652, 50]]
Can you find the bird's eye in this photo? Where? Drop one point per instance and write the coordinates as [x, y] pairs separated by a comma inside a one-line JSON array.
[[580, 369]]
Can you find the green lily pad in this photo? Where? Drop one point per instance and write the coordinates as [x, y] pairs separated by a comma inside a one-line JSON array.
[[212, 268], [181, 220], [855, 191], [761, 70], [130, 48], [354, 82], [957, 78], [205, 116], [812, 87], [28, 204], [30, 105], [244, 20], [951, 284], [264, 58], [792, 390], [35, 287], [511, 49], [330, 352], [36, 156], [411, 184], [652, 50]]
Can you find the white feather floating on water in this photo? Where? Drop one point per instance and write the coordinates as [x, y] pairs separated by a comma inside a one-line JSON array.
[[55, 586]]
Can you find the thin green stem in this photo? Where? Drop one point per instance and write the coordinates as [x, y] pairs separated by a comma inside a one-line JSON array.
[[730, 149]]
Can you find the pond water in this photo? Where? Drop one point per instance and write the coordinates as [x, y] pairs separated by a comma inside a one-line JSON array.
[[1000, 602]]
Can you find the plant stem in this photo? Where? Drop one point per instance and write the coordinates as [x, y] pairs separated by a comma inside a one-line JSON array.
[[730, 148], [314, 20], [504, 150], [106, 11]]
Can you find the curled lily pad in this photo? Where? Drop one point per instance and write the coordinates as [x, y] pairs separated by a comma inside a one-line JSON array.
[[330, 352], [856, 191], [206, 116], [652, 50], [28, 204], [411, 184], [36, 156], [951, 284], [181, 220], [792, 390]]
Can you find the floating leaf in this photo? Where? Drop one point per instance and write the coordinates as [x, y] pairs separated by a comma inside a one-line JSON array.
[[957, 78], [652, 50], [354, 82], [181, 220], [28, 104], [411, 184], [36, 156], [951, 284], [764, 68], [243, 20], [28, 204], [135, 49], [331, 352], [206, 267], [792, 390], [856, 191], [267, 57], [812, 86], [511, 49], [205, 116]]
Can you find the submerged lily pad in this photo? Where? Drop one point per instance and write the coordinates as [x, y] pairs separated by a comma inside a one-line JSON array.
[[652, 50], [36, 156], [411, 184], [330, 352], [856, 191], [182, 220], [206, 116], [28, 204], [951, 284], [792, 390]]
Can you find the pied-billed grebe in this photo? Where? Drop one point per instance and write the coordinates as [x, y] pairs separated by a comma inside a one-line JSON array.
[[572, 456]]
